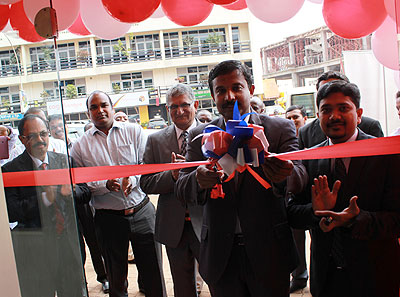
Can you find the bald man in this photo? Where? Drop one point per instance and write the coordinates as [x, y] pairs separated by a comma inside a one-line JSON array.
[[257, 104]]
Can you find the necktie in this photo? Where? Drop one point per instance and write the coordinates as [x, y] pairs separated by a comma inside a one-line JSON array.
[[337, 244], [184, 137], [59, 215]]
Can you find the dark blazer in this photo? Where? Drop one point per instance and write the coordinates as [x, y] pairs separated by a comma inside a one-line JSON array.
[[312, 134], [268, 238], [170, 216], [41, 252], [25, 205], [371, 249]]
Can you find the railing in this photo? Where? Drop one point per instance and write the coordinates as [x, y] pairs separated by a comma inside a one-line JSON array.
[[10, 70], [241, 46], [197, 50], [65, 64], [134, 56]]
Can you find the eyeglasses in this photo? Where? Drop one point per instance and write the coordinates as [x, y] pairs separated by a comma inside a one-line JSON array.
[[42, 134], [184, 106]]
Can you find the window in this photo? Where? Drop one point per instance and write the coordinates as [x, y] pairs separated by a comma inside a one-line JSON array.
[[236, 39], [51, 88], [108, 51], [145, 47], [9, 63], [171, 44], [10, 101], [206, 41], [67, 56], [42, 59], [83, 55], [132, 81], [194, 75]]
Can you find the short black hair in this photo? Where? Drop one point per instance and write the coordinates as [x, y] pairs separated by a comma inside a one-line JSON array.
[[329, 75], [29, 117], [339, 86], [226, 67], [95, 93], [299, 107], [397, 95], [54, 117]]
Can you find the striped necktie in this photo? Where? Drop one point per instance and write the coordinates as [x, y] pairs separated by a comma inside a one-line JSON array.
[[184, 137]]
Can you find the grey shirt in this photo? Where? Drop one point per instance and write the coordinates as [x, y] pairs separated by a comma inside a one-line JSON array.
[[124, 145]]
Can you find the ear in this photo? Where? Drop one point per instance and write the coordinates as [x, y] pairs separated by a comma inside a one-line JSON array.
[[305, 118], [251, 89], [196, 105], [317, 114], [21, 139], [359, 114]]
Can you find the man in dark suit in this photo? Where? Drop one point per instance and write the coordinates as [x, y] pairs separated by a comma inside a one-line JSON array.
[[177, 227], [45, 238], [354, 247], [247, 246], [311, 134]]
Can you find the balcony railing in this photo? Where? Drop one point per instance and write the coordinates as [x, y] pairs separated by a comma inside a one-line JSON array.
[[196, 50], [65, 64], [241, 46], [135, 56], [10, 70]]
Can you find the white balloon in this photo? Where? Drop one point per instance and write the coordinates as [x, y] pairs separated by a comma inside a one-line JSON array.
[[99, 22], [66, 11], [158, 13], [274, 11], [316, 1]]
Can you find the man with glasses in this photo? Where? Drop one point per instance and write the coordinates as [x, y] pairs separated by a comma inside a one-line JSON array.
[[54, 145], [44, 238], [177, 226]]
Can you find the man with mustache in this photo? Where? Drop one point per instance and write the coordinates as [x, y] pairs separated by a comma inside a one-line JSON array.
[[45, 237], [312, 134], [353, 208], [247, 247], [123, 211]]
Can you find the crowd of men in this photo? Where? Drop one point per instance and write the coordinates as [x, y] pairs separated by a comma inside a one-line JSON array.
[[246, 243]]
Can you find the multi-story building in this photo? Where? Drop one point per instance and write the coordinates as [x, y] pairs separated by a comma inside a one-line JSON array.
[[302, 58], [135, 69]]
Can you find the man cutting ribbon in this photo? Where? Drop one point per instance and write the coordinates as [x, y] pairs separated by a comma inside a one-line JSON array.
[[247, 247]]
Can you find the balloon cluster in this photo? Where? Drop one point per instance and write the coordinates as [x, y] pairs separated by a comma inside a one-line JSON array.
[[111, 19]]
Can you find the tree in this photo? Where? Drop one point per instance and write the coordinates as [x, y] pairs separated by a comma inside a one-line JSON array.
[[71, 92]]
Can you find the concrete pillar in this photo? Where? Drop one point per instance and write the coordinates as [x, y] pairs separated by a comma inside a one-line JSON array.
[[324, 43]]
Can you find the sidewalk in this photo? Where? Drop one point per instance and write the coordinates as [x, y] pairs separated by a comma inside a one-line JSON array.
[[94, 287]]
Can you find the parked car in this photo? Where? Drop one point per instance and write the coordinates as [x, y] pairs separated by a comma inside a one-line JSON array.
[[157, 123]]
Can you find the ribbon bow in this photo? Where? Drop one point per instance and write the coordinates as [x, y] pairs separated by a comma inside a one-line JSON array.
[[235, 149]]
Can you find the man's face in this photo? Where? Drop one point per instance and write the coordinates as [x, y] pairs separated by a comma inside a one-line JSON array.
[[182, 111], [398, 106], [257, 106], [35, 138], [338, 117], [121, 117], [297, 118], [100, 111], [204, 118], [57, 129], [229, 88]]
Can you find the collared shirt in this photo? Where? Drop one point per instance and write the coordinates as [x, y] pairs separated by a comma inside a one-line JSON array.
[[124, 145], [179, 132], [346, 161], [38, 163]]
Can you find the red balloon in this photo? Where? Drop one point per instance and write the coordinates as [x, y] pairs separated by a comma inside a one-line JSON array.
[[238, 5], [4, 15], [78, 27], [222, 2], [353, 18], [131, 11], [187, 12], [20, 22]]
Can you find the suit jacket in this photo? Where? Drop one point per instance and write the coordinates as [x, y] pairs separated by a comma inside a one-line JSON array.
[[312, 134], [262, 213], [25, 204], [170, 216], [370, 245]]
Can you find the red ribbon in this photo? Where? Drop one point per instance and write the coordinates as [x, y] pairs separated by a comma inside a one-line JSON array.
[[361, 148]]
